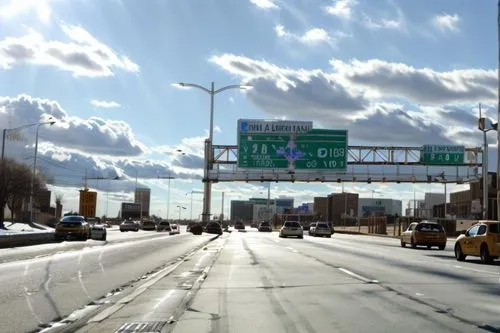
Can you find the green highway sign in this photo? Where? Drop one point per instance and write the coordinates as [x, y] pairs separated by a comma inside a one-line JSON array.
[[442, 155], [305, 149]]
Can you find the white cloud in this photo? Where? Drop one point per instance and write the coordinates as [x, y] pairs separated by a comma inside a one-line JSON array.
[[342, 8], [313, 36], [104, 104], [265, 4], [16, 7], [421, 85], [93, 135], [446, 22], [358, 95], [83, 55], [382, 23]]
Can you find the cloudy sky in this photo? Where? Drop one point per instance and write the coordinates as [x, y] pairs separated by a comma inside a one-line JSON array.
[[391, 72]]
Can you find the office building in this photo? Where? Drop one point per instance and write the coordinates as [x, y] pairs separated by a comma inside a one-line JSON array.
[[88, 203], [340, 204], [241, 210], [431, 200], [379, 207], [320, 207], [143, 197], [284, 205]]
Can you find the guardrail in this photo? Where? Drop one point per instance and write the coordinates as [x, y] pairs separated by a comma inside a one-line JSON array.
[[25, 239]]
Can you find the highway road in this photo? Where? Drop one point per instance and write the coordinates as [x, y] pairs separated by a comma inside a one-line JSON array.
[[114, 236], [257, 282], [261, 283], [37, 291]]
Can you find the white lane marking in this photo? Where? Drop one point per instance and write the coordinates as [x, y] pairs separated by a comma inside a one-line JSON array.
[[80, 278], [200, 261], [357, 276], [100, 262], [167, 295], [419, 294], [32, 309], [26, 269], [138, 291]]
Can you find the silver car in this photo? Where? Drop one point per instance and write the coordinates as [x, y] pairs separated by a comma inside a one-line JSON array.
[[322, 229], [291, 229]]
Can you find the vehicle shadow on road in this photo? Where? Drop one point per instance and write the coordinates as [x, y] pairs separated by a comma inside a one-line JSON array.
[[471, 261]]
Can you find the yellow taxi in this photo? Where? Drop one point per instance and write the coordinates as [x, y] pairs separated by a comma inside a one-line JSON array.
[[72, 226], [481, 240], [424, 233]]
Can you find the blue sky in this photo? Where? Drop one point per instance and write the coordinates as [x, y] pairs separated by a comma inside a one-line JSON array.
[[391, 72]]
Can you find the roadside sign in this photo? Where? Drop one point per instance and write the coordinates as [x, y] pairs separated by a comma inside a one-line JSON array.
[[296, 147], [442, 155]]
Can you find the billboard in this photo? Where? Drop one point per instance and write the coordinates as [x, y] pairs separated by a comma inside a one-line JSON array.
[[88, 203], [130, 210], [292, 145]]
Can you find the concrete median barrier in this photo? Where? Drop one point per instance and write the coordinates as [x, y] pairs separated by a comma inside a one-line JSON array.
[[25, 239]]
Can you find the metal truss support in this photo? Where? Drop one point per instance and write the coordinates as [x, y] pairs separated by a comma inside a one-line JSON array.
[[367, 164]]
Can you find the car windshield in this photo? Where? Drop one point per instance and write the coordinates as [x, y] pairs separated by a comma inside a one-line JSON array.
[[292, 224], [322, 226], [264, 224], [73, 219], [429, 227]]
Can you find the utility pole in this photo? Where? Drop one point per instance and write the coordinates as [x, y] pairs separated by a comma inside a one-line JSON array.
[[169, 177], [483, 126], [268, 208], [222, 209]]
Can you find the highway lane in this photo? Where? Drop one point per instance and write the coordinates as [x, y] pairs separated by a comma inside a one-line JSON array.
[[344, 284], [36, 291], [114, 236]]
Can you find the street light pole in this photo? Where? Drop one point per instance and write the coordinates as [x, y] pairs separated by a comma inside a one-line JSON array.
[[32, 185], [207, 183], [180, 208], [191, 207]]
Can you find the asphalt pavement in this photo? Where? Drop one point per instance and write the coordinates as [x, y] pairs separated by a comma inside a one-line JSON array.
[[343, 284], [257, 282], [114, 236], [41, 290]]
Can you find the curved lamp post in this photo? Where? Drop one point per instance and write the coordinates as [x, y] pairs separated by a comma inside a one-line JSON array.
[[208, 149]]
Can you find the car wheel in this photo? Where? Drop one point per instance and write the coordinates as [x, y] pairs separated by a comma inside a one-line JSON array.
[[301, 237], [413, 245], [329, 236], [103, 237], [485, 255], [122, 230], [459, 255], [441, 247], [403, 244], [429, 247]]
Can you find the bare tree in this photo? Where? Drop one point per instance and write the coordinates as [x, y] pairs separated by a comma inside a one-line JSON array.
[[59, 198], [15, 186]]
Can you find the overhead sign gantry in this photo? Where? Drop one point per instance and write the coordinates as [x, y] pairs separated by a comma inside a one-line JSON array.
[[273, 150]]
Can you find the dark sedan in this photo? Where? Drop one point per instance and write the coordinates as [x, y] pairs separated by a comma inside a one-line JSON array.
[[214, 228]]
